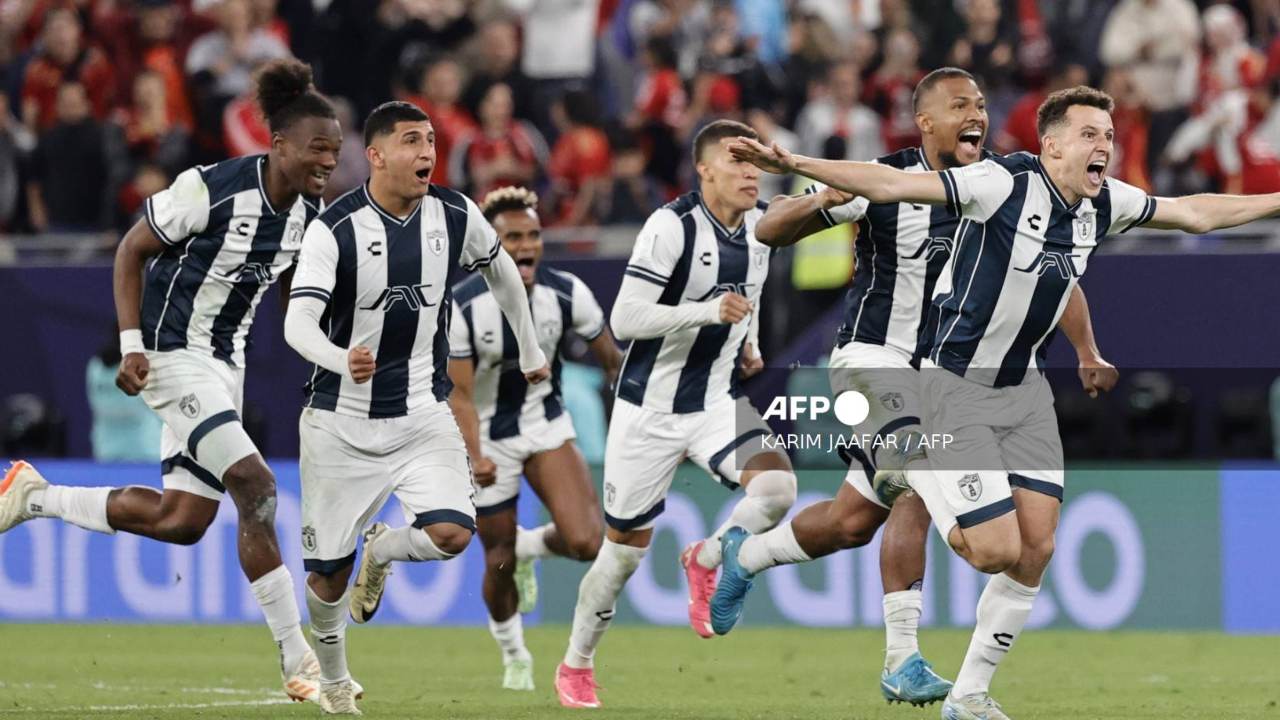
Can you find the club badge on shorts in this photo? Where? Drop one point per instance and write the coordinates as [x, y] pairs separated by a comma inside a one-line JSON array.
[[971, 486], [309, 538], [189, 405], [892, 401]]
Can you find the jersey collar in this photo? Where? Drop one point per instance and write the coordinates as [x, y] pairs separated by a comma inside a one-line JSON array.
[[723, 233], [1058, 200], [384, 213]]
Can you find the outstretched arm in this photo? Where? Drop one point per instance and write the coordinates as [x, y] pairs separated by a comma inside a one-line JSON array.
[[1095, 373], [1205, 212], [877, 183], [791, 218]]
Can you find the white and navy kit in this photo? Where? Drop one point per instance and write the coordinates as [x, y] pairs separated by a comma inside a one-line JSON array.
[[1020, 249], [678, 395], [385, 282], [224, 246], [519, 420]]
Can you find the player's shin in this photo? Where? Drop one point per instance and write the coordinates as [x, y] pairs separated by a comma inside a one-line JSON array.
[[509, 634], [597, 596], [85, 507], [776, 547], [1003, 610], [901, 620], [329, 631], [274, 592], [769, 495]]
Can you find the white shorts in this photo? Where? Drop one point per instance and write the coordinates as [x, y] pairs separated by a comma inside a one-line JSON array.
[[892, 388], [199, 398], [510, 455], [351, 465], [1002, 438], [645, 446]]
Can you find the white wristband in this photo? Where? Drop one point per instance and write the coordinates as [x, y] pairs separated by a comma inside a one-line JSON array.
[[131, 342]]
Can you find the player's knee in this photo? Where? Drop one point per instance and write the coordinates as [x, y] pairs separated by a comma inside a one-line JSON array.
[[774, 491], [449, 538], [583, 546], [1037, 554], [854, 530], [180, 530], [500, 559], [253, 487], [995, 558]]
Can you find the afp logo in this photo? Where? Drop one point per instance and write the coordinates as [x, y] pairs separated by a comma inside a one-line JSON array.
[[1057, 261], [252, 272], [413, 296], [932, 248]]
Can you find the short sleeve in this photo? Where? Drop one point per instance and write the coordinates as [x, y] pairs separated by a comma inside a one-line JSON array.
[[850, 212], [459, 334], [976, 191], [180, 210], [588, 318], [317, 268], [480, 243], [1130, 206], [658, 248]]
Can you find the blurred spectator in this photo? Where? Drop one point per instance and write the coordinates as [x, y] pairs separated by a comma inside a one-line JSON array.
[[559, 48], [890, 89], [503, 151], [264, 17], [986, 52], [631, 195], [1132, 126], [771, 132], [497, 60], [439, 92], [244, 130], [410, 32], [71, 167], [1157, 40], [226, 58], [150, 133], [147, 38], [1019, 131], [764, 26], [684, 22], [659, 112], [15, 142], [64, 57], [147, 180], [839, 114], [814, 48], [352, 168], [580, 160], [1075, 31], [727, 54], [124, 428]]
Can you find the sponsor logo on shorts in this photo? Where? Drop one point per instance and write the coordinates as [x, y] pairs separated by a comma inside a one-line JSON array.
[[971, 486], [309, 538], [189, 405], [892, 401]]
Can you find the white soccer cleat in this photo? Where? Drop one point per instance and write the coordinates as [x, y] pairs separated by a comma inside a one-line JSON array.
[[304, 684], [18, 483], [978, 706], [518, 675], [339, 699], [371, 579]]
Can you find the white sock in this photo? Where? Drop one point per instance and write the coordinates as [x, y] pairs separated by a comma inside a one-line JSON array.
[[532, 544], [901, 620], [82, 506], [1003, 609], [597, 596], [405, 543], [510, 636], [769, 496], [776, 547], [274, 592], [329, 631]]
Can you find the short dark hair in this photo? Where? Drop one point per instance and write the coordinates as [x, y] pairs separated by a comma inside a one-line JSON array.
[[383, 119], [1053, 111], [928, 82], [286, 94], [508, 198], [716, 131]]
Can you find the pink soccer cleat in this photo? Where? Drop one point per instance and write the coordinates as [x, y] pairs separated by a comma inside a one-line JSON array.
[[702, 585], [576, 688]]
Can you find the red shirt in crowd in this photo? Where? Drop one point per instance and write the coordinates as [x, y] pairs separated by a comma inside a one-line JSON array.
[[43, 77], [580, 155], [891, 98], [661, 97], [1019, 132], [451, 124], [477, 148]]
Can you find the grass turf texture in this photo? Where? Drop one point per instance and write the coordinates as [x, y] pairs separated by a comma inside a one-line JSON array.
[[100, 671]]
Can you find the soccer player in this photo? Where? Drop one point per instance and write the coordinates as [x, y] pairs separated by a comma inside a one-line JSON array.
[[513, 428], [902, 248], [1029, 225], [212, 243], [687, 303], [370, 308]]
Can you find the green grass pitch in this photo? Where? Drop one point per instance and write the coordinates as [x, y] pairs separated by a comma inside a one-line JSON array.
[[116, 671]]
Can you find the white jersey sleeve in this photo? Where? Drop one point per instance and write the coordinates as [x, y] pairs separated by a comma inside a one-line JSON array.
[[658, 248], [480, 243], [317, 269], [1130, 206], [977, 190], [588, 318], [459, 334], [180, 210], [310, 294]]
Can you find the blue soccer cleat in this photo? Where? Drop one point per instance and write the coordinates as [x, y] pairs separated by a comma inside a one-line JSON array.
[[734, 584], [914, 682]]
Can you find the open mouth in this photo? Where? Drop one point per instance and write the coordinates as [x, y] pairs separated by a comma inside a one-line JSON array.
[[971, 139], [526, 264], [320, 176], [424, 174], [1095, 170]]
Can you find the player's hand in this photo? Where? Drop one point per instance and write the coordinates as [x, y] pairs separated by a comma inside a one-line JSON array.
[[536, 376], [733, 308], [752, 363], [1097, 375], [774, 159], [484, 470], [361, 363], [133, 373], [834, 197]]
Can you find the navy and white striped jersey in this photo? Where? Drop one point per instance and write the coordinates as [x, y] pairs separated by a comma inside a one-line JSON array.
[[504, 400], [1020, 249], [901, 248], [386, 285], [683, 249], [225, 245]]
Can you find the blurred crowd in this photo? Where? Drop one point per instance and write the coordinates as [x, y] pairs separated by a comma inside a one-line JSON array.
[[595, 102]]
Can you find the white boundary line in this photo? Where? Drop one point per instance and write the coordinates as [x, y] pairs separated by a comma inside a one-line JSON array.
[[167, 706]]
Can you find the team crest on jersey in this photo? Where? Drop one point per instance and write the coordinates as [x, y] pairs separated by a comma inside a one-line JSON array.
[[760, 257], [435, 241], [309, 538], [548, 329], [971, 486], [293, 233], [189, 405], [892, 401], [1084, 227]]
